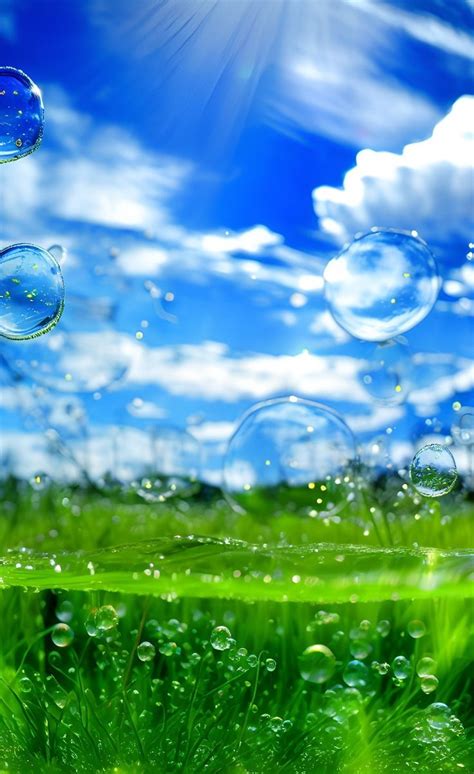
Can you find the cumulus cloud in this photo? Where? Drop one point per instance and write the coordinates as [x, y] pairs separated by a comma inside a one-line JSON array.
[[411, 189]]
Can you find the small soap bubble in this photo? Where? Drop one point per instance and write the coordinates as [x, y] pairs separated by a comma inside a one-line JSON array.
[[292, 455], [385, 374], [106, 618], [356, 674], [416, 629], [383, 284], [220, 638], [383, 628], [317, 664], [21, 114], [433, 470], [62, 635], [426, 666], [146, 651], [401, 667], [31, 292], [429, 683]]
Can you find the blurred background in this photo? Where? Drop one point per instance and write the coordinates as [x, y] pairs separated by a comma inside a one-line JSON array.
[[201, 163]]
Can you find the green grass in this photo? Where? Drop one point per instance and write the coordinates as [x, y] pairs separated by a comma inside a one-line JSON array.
[[175, 571]]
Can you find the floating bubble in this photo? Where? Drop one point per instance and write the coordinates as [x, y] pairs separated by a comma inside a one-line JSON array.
[[384, 283], [317, 664], [59, 253], [426, 666], [220, 638], [31, 291], [146, 651], [62, 635], [289, 454], [416, 629], [438, 715], [106, 618], [174, 466], [21, 114], [429, 683], [270, 664], [385, 374], [463, 428], [356, 674], [401, 667], [65, 611], [433, 470]]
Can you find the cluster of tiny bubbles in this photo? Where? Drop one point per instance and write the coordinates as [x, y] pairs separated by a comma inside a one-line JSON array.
[[416, 629], [433, 470], [385, 373], [382, 284], [21, 114], [221, 638], [437, 724], [462, 429], [290, 455], [31, 292], [146, 651], [317, 664], [62, 635]]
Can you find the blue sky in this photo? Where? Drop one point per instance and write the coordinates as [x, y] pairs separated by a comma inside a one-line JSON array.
[[201, 163]]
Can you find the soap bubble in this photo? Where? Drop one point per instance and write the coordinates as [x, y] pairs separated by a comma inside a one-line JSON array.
[[31, 291], [356, 674], [289, 454], [463, 428], [317, 664], [382, 284], [433, 470], [385, 373], [21, 115]]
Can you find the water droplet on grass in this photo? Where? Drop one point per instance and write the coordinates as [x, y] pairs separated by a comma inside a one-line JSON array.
[[401, 667], [433, 470], [106, 618], [356, 674], [220, 638], [416, 629], [429, 683], [146, 651], [426, 666], [438, 715], [62, 635], [270, 664], [317, 664]]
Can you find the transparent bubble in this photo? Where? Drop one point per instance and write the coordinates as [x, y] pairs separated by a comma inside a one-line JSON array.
[[416, 629], [463, 428], [383, 628], [356, 674], [21, 115], [62, 635], [426, 666], [382, 284], [429, 683], [146, 651], [106, 618], [401, 667], [65, 611], [385, 373], [289, 454], [59, 253], [438, 715], [317, 664], [220, 638], [270, 664], [174, 467], [433, 470], [31, 292]]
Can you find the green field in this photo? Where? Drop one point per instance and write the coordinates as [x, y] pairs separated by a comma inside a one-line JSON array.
[[386, 586]]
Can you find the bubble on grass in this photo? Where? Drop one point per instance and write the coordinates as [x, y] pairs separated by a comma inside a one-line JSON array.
[[416, 629], [25, 685], [429, 683], [62, 635], [438, 715], [31, 291], [385, 374], [146, 651], [317, 664], [270, 664], [426, 666], [292, 455], [106, 618], [356, 674], [21, 114], [220, 638], [382, 284], [463, 428], [433, 470], [401, 667], [65, 611]]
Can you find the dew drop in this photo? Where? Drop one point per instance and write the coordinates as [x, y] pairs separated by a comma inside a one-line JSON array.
[[220, 638], [429, 683], [401, 667], [146, 651], [62, 635], [426, 667], [106, 618], [438, 715]]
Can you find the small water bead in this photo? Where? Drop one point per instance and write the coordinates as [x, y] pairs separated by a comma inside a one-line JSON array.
[[220, 638], [289, 454], [252, 660], [270, 664], [438, 715], [106, 618], [401, 667], [65, 611], [21, 114], [62, 635], [360, 649], [169, 649], [31, 292], [416, 629], [146, 651], [383, 628], [381, 285], [429, 683], [426, 667], [433, 470], [317, 664], [25, 685], [356, 674]]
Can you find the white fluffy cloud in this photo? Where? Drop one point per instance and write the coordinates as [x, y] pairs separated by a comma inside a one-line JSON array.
[[427, 187]]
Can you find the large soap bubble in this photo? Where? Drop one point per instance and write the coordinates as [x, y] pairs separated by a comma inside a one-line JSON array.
[[21, 114], [31, 291], [433, 470], [289, 454], [384, 283]]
